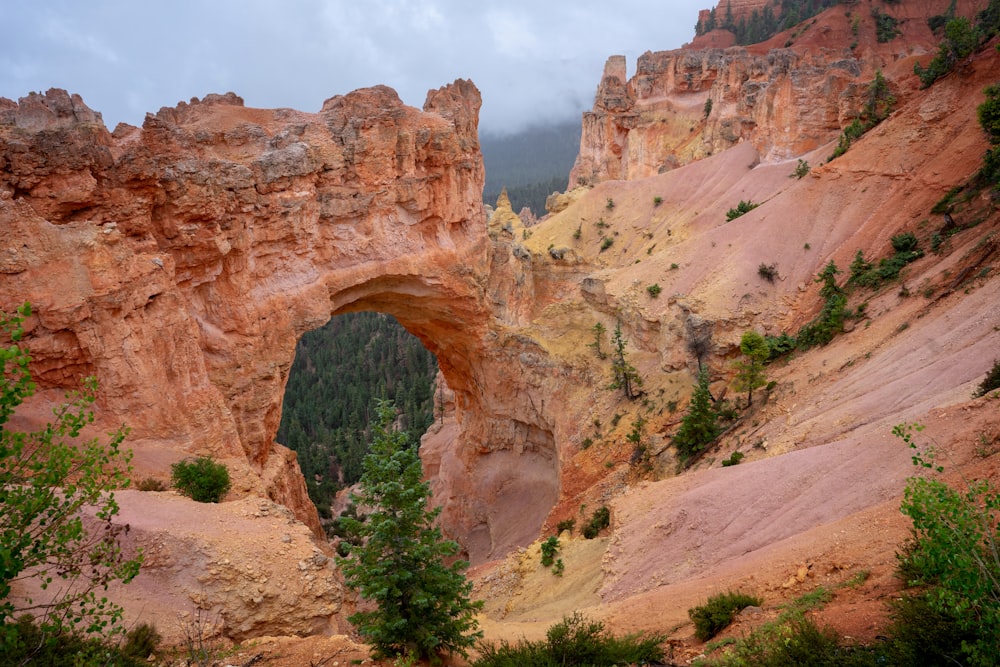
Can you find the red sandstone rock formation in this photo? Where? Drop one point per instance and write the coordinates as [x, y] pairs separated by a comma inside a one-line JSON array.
[[786, 96], [180, 262]]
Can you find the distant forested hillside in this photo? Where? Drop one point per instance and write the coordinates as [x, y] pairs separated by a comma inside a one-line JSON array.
[[531, 164], [338, 373]]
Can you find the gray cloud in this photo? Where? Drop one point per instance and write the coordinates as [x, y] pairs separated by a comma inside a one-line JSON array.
[[532, 60]]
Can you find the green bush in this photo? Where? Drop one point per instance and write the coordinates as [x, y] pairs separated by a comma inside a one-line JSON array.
[[654, 290], [566, 525], [599, 520], [574, 641], [801, 169], [718, 612], [991, 381], [201, 479], [71, 649], [734, 459], [549, 549], [742, 208]]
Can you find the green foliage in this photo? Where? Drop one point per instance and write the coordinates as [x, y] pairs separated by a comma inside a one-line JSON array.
[[961, 39], [989, 118], [72, 649], [611, 204], [657, 200], [654, 290], [955, 553], [339, 371], [700, 425], [886, 26], [549, 549], [865, 274], [763, 24], [718, 612], [607, 242], [574, 641], [780, 345], [566, 525], [598, 330], [742, 208], [734, 459], [708, 107], [624, 375], [423, 606], [830, 320], [750, 371], [201, 479], [599, 520], [878, 105], [991, 381], [801, 169], [47, 479]]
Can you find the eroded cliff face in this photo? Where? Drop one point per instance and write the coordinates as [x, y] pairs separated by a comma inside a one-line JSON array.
[[785, 96], [181, 261]]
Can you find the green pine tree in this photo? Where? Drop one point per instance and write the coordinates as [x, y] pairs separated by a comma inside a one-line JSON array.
[[423, 606], [626, 377], [700, 425], [750, 372]]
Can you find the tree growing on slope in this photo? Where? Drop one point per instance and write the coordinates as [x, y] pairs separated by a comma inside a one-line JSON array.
[[625, 375], [47, 479], [423, 605], [750, 371], [700, 425]]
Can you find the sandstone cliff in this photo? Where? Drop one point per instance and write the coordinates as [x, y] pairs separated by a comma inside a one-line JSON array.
[[785, 96]]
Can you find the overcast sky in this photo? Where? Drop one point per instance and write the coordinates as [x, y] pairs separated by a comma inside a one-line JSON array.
[[533, 60]]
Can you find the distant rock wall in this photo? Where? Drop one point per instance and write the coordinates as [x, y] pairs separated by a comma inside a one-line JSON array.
[[786, 96]]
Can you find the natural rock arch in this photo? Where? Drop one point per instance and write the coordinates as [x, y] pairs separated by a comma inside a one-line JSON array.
[[181, 262]]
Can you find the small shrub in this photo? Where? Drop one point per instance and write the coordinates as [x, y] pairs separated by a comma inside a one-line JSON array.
[[801, 169], [566, 525], [674, 266], [599, 520], [141, 641], [607, 242], [549, 549], [657, 200], [654, 290], [151, 484], [734, 459], [742, 208], [201, 479], [991, 381], [718, 612], [587, 442], [768, 272], [611, 204], [708, 107], [578, 233]]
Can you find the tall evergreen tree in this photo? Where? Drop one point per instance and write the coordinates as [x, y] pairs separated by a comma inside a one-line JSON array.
[[423, 606], [700, 425], [750, 371], [626, 377]]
